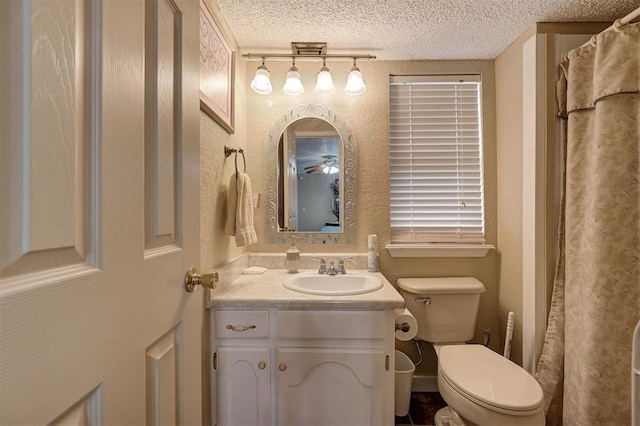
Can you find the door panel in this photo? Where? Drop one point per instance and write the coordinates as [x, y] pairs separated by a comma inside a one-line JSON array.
[[164, 404], [45, 208], [162, 121], [84, 412], [95, 325]]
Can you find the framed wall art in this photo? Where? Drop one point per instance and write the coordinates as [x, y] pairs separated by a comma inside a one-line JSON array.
[[216, 71]]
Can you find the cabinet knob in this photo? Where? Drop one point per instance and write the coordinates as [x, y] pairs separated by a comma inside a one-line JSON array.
[[282, 366], [262, 365]]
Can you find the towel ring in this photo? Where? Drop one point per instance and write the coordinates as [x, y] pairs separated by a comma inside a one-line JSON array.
[[228, 151], [244, 160]]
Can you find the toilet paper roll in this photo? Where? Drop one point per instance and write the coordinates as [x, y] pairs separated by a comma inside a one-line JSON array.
[[402, 320]]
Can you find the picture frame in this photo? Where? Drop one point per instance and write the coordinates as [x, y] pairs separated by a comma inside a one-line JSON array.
[[216, 71]]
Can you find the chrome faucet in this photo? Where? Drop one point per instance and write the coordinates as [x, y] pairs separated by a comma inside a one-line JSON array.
[[332, 269]]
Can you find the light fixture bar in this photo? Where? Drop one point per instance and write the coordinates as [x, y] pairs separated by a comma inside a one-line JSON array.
[[308, 50], [305, 55]]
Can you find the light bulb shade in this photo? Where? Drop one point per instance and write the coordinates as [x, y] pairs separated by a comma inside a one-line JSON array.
[[261, 82], [324, 85], [355, 84], [293, 84]]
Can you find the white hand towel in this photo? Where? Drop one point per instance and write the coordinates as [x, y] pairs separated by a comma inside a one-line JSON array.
[[232, 204], [240, 210]]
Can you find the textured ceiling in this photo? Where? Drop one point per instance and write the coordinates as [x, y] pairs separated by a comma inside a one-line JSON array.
[[404, 29]]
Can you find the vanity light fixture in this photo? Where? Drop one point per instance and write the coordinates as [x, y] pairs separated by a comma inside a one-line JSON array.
[[293, 84], [324, 84], [355, 84], [261, 82], [308, 51]]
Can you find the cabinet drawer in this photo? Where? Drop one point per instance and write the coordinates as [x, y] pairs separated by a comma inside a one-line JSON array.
[[246, 323], [331, 324]]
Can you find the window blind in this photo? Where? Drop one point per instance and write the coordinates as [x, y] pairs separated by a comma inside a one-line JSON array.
[[435, 155]]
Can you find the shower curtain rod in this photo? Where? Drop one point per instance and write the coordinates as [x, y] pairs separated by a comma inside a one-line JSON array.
[[630, 17], [627, 19]]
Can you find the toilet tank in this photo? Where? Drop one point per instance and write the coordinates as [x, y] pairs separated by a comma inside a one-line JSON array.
[[445, 308]]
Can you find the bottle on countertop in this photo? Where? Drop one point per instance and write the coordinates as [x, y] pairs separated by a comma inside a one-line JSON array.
[[372, 253], [293, 256]]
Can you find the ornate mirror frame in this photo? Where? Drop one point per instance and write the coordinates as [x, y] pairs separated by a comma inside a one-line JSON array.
[[348, 179]]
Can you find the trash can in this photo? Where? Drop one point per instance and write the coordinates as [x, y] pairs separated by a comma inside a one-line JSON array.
[[404, 369]]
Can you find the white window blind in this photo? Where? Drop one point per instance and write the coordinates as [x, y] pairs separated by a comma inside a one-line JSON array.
[[435, 154]]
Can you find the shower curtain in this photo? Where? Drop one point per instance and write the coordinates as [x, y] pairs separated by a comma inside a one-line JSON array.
[[585, 365]]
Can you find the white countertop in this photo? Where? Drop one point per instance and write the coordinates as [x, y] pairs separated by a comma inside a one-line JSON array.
[[267, 291]]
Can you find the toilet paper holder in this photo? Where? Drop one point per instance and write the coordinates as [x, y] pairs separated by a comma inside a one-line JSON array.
[[404, 327], [405, 324]]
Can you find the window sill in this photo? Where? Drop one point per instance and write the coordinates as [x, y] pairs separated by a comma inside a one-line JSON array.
[[438, 250]]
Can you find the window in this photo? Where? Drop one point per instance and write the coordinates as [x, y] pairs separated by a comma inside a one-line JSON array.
[[435, 154]]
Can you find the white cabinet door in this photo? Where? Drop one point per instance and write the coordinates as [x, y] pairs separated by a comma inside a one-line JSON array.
[[243, 386], [99, 213], [330, 387]]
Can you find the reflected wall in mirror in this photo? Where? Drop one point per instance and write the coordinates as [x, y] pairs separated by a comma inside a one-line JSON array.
[[310, 185]]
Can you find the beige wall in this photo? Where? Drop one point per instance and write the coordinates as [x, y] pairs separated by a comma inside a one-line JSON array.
[[216, 248], [367, 116], [508, 73], [508, 68]]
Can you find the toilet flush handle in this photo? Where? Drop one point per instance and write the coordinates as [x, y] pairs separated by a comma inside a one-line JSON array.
[[425, 300]]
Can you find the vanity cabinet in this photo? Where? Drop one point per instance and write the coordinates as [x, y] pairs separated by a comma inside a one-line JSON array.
[[303, 367]]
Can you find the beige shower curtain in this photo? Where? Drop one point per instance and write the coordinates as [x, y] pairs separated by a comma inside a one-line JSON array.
[[586, 360]]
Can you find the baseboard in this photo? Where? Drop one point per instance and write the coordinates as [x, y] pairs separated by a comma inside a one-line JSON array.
[[424, 384]]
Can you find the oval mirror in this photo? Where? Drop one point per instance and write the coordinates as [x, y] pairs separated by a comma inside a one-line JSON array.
[[310, 178]]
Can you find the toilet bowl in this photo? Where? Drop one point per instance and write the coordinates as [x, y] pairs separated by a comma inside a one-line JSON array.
[[487, 389], [480, 386]]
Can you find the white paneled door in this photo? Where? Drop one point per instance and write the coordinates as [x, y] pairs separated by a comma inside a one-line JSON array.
[[99, 202]]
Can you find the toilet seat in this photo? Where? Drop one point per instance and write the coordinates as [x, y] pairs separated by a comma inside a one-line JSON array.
[[489, 380]]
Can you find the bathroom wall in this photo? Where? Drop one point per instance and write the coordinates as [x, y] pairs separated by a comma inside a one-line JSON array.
[[217, 248], [508, 68], [509, 107], [367, 116]]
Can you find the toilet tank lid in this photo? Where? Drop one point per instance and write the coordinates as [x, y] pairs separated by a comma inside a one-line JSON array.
[[443, 285]]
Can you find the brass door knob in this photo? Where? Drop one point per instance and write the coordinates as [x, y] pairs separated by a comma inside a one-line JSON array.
[[194, 278]]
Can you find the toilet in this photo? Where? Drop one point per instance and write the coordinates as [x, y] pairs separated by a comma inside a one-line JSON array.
[[480, 386]]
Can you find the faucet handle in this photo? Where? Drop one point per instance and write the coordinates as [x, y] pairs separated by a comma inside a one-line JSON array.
[[341, 269], [323, 264]]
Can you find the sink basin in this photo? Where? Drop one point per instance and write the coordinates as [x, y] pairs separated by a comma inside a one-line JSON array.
[[333, 285]]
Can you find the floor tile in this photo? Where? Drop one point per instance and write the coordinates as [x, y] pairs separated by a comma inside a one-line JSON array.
[[406, 420], [424, 406]]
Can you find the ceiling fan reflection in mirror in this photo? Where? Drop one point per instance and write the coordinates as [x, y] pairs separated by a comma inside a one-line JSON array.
[[328, 166]]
